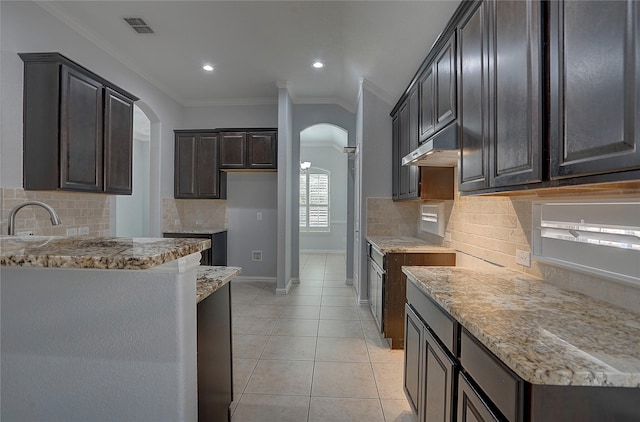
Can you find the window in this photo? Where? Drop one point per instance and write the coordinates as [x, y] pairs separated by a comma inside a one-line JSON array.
[[314, 200]]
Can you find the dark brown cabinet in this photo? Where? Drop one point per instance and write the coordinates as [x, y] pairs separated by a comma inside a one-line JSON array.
[[197, 166], [430, 369], [247, 150], [216, 254], [595, 98], [471, 406], [215, 376], [500, 109], [395, 157], [118, 128], [473, 96], [77, 128]]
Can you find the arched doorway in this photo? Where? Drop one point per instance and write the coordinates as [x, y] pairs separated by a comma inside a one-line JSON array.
[[323, 193]]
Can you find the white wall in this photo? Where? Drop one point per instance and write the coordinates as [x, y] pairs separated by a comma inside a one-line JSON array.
[[374, 136], [247, 195], [329, 158], [239, 116], [27, 27]]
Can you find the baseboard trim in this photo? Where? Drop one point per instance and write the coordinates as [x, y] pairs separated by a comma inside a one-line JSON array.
[[285, 291], [363, 301], [245, 279], [327, 251], [295, 280], [349, 282]]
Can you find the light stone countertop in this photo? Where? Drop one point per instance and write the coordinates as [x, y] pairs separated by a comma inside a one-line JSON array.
[[401, 244], [545, 334], [95, 252], [210, 279], [194, 231]]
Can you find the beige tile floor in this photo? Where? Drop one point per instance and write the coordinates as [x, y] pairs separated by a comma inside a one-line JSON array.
[[314, 354]]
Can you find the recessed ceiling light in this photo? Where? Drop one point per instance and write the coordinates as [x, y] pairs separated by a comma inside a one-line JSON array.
[[318, 64], [208, 67]]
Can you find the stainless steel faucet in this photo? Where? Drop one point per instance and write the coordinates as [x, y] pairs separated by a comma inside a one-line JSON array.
[[55, 220]]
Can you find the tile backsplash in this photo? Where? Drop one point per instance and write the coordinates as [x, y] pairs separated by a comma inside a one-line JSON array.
[[494, 227], [183, 214], [76, 210]]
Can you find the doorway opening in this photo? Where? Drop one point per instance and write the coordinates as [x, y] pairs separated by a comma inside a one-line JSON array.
[[323, 196]]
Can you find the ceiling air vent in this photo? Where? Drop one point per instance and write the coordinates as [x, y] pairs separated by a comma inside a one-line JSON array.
[[139, 25]]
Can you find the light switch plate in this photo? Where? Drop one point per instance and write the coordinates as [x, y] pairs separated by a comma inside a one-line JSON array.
[[523, 258]]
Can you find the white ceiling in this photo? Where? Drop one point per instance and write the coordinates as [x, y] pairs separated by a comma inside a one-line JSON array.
[[254, 44]]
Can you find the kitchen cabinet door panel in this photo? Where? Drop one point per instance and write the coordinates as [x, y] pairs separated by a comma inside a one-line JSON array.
[[233, 150], [118, 139], [427, 104], [403, 118], [81, 143], [413, 172], [471, 407], [261, 150], [208, 167], [395, 156], [516, 124], [413, 359], [439, 380], [472, 100], [445, 104], [185, 158], [595, 101]]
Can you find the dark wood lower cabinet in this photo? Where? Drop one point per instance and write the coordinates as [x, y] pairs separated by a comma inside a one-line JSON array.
[[395, 290], [216, 254], [471, 406], [215, 380], [466, 382]]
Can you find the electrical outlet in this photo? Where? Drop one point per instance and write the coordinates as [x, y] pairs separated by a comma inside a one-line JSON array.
[[83, 230], [259, 216], [256, 255], [176, 222], [25, 233], [523, 258], [72, 231], [447, 237], [198, 222]]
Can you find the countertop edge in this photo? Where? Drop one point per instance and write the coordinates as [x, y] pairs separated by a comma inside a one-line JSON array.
[[210, 279]]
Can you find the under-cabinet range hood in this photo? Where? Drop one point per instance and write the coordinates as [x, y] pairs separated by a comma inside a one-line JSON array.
[[441, 150]]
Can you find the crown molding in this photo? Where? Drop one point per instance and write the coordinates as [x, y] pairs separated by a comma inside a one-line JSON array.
[[375, 90], [231, 102]]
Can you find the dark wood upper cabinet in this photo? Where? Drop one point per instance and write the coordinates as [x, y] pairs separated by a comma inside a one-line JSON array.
[[445, 85], [249, 150], [118, 139], [77, 128], [437, 89], [262, 150], [197, 167], [595, 99], [515, 92], [395, 154], [81, 141], [233, 150], [473, 99], [427, 104], [413, 172], [500, 95]]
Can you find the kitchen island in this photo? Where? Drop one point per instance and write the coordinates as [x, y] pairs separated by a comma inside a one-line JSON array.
[[524, 349], [99, 328]]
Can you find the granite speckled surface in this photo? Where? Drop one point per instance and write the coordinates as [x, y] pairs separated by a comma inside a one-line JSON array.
[[210, 279], [195, 231], [399, 244], [546, 335], [97, 252]]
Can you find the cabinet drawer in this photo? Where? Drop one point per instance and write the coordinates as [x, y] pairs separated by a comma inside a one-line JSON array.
[[445, 328], [499, 383]]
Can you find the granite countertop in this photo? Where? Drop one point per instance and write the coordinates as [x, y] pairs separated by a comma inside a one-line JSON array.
[[545, 334], [401, 244], [95, 252], [194, 231], [210, 279]]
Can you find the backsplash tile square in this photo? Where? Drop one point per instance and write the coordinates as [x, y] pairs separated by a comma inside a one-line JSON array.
[[194, 214]]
